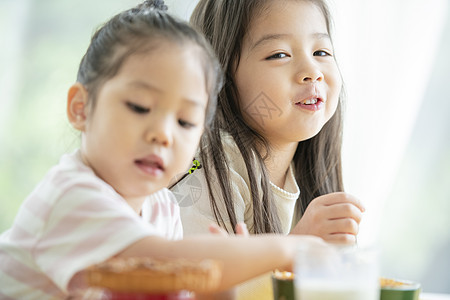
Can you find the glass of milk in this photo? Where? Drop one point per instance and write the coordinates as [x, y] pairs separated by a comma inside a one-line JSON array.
[[330, 272]]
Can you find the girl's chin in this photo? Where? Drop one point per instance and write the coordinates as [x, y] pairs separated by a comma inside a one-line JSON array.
[[296, 133], [286, 138], [143, 191], [312, 134]]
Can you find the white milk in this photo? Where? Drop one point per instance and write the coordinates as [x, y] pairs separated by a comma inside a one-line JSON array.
[[335, 291]]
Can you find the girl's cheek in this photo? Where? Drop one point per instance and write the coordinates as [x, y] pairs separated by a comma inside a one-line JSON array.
[[189, 142]]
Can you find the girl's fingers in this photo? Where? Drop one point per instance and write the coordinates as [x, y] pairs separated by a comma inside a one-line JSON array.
[[344, 226], [341, 197], [341, 238], [216, 229], [241, 229], [343, 210]]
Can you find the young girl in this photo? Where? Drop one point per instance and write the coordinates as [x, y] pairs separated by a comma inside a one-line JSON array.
[[273, 156], [145, 89]]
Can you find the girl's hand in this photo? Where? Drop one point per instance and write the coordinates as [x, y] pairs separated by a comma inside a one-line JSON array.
[[334, 217], [241, 229]]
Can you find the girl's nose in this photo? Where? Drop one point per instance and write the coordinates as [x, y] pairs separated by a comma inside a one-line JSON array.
[[159, 132], [309, 73], [312, 77]]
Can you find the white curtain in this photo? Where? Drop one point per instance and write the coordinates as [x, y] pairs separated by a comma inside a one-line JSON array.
[[13, 15], [387, 50]]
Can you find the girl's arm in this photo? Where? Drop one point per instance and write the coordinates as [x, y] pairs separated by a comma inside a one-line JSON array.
[[242, 257]]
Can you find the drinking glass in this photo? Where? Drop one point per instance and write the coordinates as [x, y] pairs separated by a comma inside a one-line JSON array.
[[325, 272]]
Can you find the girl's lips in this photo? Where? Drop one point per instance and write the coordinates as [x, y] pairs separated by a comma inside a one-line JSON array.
[[313, 104], [309, 98], [151, 165]]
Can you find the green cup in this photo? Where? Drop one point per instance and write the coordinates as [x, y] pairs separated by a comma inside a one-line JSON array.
[[283, 286], [400, 290]]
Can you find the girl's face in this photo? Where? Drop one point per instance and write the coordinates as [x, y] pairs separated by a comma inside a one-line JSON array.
[[148, 120], [287, 78]]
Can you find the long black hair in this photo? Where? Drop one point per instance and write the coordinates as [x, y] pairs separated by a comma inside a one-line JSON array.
[[317, 161]]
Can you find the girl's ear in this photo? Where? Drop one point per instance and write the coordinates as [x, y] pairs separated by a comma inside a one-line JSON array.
[[77, 98]]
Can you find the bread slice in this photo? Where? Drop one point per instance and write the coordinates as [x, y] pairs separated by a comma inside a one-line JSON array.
[[146, 275]]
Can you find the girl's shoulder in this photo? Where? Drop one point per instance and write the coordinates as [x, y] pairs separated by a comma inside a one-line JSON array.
[[235, 161], [68, 180], [67, 187], [71, 172], [163, 196]]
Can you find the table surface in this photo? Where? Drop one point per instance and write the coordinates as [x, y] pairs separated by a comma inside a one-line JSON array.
[[432, 296]]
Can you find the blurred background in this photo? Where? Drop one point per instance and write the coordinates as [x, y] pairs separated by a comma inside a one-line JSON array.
[[394, 57]]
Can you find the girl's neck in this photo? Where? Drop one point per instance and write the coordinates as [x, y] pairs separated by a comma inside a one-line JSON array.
[[278, 162], [136, 203]]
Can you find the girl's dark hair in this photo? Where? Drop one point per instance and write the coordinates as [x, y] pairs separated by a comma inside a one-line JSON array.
[[139, 30], [317, 160]]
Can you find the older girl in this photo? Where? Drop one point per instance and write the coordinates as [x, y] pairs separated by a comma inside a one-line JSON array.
[[273, 157]]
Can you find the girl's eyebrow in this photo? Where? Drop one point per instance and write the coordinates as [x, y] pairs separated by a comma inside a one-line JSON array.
[[278, 36], [267, 38], [145, 86], [321, 36], [194, 102]]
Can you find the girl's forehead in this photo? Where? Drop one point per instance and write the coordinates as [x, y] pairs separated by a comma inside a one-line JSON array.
[[155, 49], [156, 60], [287, 16], [271, 7]]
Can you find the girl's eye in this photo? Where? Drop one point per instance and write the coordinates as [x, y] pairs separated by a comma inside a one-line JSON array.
[[137, 108], [186, 124], [321, 53], [277, 56]]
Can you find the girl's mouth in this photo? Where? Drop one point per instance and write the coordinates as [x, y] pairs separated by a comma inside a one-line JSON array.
[[151, 165], [312, 104]]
